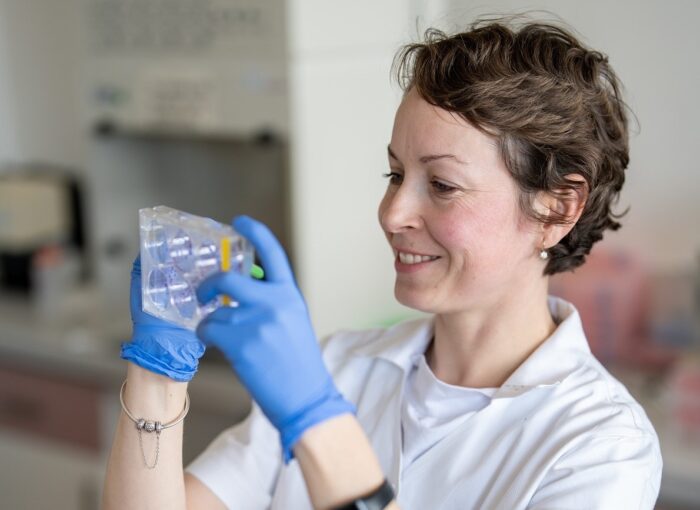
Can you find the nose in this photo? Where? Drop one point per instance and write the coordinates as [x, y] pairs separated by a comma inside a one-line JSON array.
[[399, 210]]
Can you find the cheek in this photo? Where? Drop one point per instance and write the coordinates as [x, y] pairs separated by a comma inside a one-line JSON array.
[[480, 236]]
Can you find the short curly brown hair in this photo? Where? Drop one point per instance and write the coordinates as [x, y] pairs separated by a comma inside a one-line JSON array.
[[553, 105]]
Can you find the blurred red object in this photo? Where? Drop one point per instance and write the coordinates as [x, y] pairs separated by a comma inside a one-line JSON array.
[[613, 293]]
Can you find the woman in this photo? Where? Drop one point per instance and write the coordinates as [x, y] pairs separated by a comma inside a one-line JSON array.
[[508, 149]]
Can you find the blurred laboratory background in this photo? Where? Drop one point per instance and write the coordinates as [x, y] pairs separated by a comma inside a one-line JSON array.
[[282, 109]]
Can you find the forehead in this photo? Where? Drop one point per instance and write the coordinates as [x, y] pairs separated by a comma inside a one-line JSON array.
[[420, 127]]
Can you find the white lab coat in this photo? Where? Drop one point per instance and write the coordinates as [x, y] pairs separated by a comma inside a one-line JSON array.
[[560, 433]]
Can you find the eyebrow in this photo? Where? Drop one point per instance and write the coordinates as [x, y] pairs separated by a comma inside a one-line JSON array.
[[429, 157]]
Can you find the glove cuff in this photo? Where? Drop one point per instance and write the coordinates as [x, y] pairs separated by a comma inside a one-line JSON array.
[[178, 360], [323, 409], [134, 354]]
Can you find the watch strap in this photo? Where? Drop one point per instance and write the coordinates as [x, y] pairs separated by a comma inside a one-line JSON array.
[[376, 500]]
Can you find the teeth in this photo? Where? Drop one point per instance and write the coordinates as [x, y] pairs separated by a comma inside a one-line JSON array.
[[409, 258]]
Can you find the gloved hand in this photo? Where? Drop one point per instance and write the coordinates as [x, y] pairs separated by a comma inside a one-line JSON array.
[[269, 341], [157, 345]]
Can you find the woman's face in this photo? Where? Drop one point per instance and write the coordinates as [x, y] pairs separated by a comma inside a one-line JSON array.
[[451, 214]]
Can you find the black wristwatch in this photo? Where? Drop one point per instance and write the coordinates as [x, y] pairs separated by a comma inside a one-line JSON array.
[[377, 500]]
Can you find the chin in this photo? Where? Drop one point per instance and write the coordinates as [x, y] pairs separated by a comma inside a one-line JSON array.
[[414, 300]]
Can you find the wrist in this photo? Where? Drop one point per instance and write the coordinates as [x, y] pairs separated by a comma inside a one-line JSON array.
[[153, 395], [141, 375], [329, 407], [338, 462]]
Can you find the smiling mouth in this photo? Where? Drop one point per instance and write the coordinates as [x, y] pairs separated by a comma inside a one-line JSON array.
[[410, 258]]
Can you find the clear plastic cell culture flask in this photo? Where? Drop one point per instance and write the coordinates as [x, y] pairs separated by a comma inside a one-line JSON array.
[[178, 251]]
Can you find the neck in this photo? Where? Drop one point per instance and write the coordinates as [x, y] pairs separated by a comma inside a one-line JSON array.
[[481, 348]]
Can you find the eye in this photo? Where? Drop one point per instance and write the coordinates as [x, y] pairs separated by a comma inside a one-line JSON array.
[[395, 178], [441, 187]]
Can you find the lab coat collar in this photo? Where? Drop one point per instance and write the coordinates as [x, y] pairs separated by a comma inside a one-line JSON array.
[[401, 343], [557, 357], [548, 365]]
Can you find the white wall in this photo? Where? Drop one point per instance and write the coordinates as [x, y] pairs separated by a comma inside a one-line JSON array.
[[8, 141], [342, 108], [40, 82]]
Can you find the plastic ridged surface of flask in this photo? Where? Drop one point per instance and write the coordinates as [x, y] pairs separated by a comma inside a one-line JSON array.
[[178, 251]]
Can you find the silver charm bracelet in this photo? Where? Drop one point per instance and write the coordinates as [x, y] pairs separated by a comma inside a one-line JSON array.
[[143, 425]]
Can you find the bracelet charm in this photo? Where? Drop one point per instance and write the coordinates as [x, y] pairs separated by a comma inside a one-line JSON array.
[[149, 426]]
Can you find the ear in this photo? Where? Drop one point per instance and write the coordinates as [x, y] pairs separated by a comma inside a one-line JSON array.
[[563, 204]]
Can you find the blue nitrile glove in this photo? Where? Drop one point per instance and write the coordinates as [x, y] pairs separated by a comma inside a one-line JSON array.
[[157, 345], [269, 341]]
